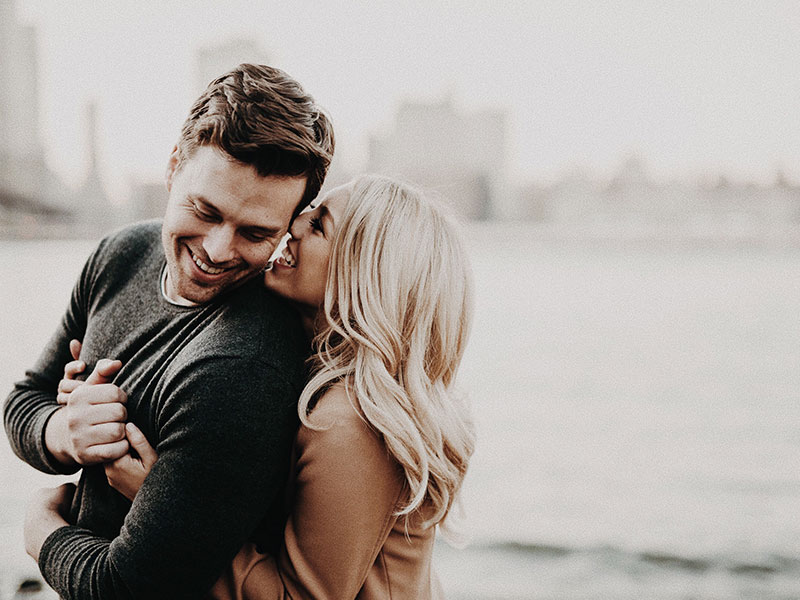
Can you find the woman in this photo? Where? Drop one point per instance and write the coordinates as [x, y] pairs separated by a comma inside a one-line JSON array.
[[381, 282]]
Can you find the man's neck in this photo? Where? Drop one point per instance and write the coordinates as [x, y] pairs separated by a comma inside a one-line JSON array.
[[169, 295]]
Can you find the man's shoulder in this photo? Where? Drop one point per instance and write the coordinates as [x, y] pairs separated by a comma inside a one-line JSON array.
[[122, 256], [143, 235], [253, 326], [128, 243]]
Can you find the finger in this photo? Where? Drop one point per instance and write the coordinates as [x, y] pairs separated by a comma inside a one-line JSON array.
[[104, 371], [62, 398], [139, 443], [71, 369], [108, 452], [75, 348], [109, 412], [103, 433], [67, 386], [102, 393]]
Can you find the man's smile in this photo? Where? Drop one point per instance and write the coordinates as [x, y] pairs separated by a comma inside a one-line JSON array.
[[205, 271], [206, 267]]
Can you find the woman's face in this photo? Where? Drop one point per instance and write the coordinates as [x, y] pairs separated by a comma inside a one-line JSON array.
[[300, 273]]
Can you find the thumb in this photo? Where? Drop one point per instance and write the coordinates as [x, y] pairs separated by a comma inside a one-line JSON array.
[[141, 445], [104, 371], [75, 349]]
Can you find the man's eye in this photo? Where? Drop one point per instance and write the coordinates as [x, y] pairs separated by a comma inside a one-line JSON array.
[[255, 236], [201, 214]]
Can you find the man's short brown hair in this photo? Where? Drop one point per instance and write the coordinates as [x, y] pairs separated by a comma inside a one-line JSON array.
[[262, 117]]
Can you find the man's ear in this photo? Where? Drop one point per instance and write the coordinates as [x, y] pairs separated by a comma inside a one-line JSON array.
[[172, 168]]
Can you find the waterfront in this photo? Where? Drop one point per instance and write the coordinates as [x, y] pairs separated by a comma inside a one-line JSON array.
[[637, 409]]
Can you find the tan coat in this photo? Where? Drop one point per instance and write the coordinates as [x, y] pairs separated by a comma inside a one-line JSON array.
[[342, 539]]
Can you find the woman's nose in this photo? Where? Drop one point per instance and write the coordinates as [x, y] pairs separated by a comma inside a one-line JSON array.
[[298, 226]]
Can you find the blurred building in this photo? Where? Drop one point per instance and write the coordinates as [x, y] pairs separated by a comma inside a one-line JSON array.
[[633, 198], [93, 210], [214, 60], [148, 200], [460, 156], [30, 194]]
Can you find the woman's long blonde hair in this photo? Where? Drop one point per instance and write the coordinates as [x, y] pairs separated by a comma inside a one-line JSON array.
[[398, 306]]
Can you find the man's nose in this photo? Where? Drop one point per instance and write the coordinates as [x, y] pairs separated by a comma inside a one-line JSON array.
[[219, 244]]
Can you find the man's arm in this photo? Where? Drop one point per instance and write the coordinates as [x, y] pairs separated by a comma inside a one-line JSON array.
[[225, 434], [32, 403]]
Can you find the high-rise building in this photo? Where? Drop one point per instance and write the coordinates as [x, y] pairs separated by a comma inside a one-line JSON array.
[[460, 156], [92, 207], [23, 172]]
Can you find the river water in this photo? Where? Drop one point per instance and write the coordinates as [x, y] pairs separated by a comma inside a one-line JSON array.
[[637, 408]]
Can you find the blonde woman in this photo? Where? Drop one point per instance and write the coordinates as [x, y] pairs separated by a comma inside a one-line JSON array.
[[382, 283]]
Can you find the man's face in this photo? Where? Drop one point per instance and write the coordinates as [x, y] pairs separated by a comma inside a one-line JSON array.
[[222, 223]]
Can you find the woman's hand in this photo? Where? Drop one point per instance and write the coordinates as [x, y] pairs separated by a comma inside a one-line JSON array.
[[71, 370], [127, 473], [46, 511]]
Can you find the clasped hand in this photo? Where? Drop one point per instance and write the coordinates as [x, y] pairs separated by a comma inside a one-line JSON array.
[[95, 415]]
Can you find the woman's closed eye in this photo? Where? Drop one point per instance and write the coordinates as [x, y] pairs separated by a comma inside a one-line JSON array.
[[316, 224]]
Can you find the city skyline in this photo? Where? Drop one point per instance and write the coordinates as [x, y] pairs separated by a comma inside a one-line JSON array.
[[697, 89]]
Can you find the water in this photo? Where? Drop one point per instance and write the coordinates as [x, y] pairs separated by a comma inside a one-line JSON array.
[[637, 409]]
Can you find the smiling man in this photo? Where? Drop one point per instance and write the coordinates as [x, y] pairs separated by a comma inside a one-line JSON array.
[[209, 365], [223, 222]]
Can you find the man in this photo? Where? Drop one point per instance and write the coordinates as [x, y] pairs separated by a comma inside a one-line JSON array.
[[209, 364]]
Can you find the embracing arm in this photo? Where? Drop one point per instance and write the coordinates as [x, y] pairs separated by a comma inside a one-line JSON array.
[[347, 489], [225, 435]]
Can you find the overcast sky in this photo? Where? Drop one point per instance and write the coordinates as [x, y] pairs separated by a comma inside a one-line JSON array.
[[692, 87]]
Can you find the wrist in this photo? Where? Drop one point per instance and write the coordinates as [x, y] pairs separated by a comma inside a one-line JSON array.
[[56, 439]]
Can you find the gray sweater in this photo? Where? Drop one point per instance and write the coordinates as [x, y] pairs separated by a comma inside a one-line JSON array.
[[214, 388]]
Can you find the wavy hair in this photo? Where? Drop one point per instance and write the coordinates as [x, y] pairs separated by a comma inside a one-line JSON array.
[[398, 308]]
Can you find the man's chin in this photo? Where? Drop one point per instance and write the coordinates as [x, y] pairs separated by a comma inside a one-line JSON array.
[[200, 293]]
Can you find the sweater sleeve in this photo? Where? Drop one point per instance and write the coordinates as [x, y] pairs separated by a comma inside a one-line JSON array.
[[225, 434], [33, 400], [347, 489]]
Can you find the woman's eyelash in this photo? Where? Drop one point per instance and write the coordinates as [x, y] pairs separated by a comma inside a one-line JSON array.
[[316, 223]]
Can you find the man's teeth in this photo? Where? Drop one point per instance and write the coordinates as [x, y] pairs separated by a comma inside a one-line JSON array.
[[288, 257], [206, 268]]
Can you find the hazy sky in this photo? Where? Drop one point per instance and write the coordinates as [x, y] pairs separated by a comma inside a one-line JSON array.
[[693, 87]]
